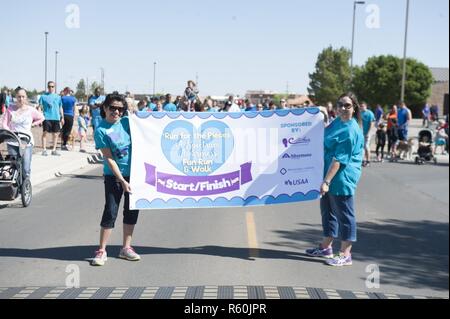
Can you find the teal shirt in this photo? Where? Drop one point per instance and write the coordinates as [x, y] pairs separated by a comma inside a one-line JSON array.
[[344, 142], [51, 104], [117, 138], [367, 118], [170, 107]]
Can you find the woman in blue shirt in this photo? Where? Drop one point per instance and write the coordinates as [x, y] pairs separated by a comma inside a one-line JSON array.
[[343, 155], [112, 137]]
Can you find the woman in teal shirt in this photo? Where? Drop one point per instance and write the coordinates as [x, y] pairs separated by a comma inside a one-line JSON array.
[[113, 138], [343, 155]]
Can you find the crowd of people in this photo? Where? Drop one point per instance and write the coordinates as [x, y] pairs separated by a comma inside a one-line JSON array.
[[63, 117], [349, 128]]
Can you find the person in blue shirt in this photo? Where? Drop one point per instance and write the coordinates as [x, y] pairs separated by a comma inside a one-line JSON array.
[[368, 123], [169, 106], [113, 138], [68, 104], [404, 117], [426, 113], [95, 101], [379, 112], [51, 104], [249, 107], [153, 104], [8, 99], [343, 154]]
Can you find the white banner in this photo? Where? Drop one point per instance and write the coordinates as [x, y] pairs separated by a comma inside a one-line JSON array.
[[191, 160]]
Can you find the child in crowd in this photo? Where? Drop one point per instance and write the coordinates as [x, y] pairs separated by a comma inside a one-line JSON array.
[[83, 120], [441, 138], [393, 138], [142, 106], [381, 142], [190, 95]]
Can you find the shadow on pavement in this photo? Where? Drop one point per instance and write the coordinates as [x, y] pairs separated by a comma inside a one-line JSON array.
[[80, 253], [409, 253], [81, 176], [414, 164]]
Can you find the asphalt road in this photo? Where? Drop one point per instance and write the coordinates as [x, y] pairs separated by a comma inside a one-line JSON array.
[[403, 220]]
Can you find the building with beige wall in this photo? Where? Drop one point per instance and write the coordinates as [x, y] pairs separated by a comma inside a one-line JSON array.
[[439, 89]]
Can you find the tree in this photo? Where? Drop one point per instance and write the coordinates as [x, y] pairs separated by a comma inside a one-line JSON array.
[[278, 97], [332, 75], [80, 94], [379, 81], [94, 86]]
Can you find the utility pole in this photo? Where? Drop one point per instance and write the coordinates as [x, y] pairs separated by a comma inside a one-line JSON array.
[[87, 87], [402, 94], [154, 78], [56, 72], [46, 36], [353, 34], [102, 79]]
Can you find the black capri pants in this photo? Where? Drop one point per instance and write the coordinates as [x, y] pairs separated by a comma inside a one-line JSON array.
[[113, 195]]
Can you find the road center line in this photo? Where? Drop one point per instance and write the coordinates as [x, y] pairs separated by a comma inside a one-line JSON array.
[[251, 234]]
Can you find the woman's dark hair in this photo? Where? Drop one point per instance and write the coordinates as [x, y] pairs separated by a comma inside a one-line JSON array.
[[356, 107], [114, 97], [199, 107], [19, 88]]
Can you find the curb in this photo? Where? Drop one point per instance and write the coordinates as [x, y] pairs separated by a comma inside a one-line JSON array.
[[194, 292]]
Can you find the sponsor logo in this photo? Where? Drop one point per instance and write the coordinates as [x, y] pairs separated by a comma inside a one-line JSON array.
[[295, 156], [296, 182], [283, 171], [296, 141]]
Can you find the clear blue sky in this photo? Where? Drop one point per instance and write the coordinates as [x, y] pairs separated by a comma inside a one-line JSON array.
[[233, 45]]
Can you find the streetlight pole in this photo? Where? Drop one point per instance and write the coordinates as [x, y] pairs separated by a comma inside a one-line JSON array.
[[353, 33], [46, 36], [154, 78], [402, 94], [103, 79], [56, 71]]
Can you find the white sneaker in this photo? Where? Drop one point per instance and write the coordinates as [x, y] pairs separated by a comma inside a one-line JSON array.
[[100, 258], [129, 254]]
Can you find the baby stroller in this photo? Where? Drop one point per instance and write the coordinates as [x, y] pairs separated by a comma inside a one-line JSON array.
[[425, 150], [13, 181]]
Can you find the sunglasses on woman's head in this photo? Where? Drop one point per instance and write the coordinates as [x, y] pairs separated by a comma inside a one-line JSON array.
[[345, 105]]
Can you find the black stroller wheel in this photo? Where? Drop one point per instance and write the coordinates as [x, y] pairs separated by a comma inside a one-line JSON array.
[[26, 192]]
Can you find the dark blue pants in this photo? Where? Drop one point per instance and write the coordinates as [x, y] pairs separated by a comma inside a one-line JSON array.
[[338, 217], [113, 195]]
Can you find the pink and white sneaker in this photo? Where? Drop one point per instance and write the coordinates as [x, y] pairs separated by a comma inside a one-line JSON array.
[[128, 253], [100, 258]]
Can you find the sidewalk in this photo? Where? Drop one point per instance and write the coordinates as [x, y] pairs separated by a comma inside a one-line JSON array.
[[44, 168]]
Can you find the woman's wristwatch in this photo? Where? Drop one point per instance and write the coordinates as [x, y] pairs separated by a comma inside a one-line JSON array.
[[326, 182]]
